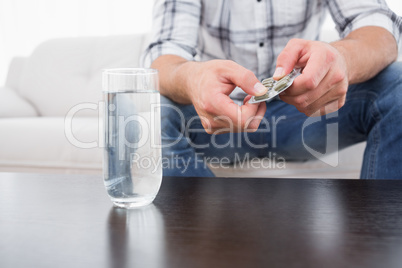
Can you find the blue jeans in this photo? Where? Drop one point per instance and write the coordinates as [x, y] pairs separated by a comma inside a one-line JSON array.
[[372, 113]]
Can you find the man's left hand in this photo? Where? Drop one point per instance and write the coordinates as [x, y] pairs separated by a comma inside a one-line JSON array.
[[322, 86]]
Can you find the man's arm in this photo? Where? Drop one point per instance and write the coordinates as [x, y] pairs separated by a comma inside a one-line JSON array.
[[207, 86], [172, 76], [330, 68], [367, 51]]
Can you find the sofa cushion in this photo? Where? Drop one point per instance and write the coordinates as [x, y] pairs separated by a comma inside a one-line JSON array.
[[41, 142], [12, 105], [62, 73], [14, 72]]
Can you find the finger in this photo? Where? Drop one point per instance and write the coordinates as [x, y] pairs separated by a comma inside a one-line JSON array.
[[310, 102], [225, 124], [251, 118], [234, 118], [239, 116], [245, 79], [328, 104], [247, 98], [329, 91], [218, 125], [314, 74], [232, 111], [289, 57], [223, 106], [304, 92], [254, 122], [306, 97]]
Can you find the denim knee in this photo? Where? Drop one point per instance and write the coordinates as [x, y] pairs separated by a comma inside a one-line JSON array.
[[382, 123], [389, 84]]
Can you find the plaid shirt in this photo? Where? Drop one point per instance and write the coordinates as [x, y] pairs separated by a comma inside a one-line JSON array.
[[254, 32]]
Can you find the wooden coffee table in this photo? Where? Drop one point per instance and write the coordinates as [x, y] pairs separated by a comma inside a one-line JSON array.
[[69, 221]]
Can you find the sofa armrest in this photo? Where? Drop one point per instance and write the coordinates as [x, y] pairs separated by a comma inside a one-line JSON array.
[[13, 105], [15, 71]]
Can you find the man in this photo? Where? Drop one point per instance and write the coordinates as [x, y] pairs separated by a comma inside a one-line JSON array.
[[207, 50]]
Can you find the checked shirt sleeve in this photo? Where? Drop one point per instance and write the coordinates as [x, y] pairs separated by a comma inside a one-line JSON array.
[[351, 15], [174, 31]]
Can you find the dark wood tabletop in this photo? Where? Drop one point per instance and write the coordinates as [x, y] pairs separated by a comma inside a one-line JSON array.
[[69, 221]]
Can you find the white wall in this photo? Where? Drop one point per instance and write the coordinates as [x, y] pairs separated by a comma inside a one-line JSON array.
[[396, 6], [26, 23]]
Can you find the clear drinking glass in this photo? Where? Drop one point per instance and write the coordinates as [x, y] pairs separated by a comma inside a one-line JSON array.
[[132, 153]]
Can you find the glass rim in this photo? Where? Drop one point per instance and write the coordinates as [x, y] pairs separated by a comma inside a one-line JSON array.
[[129, 71]]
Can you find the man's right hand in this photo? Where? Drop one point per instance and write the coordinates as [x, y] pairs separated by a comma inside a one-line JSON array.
[[207, 86]]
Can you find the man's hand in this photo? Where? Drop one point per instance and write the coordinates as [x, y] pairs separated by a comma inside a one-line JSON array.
[[328, 69], [322, 86], [207, 86], [210, 85]]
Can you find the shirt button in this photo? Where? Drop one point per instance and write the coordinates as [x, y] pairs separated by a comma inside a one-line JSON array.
[[262, 43], [258, 0]]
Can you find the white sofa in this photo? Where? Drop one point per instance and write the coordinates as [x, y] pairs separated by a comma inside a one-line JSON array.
[[39, 134]]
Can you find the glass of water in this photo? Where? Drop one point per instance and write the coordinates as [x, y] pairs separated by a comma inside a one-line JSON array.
[[132, 151]]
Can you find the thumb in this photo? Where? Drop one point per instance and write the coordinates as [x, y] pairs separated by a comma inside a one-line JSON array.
[[288, 58], [246, 80]]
